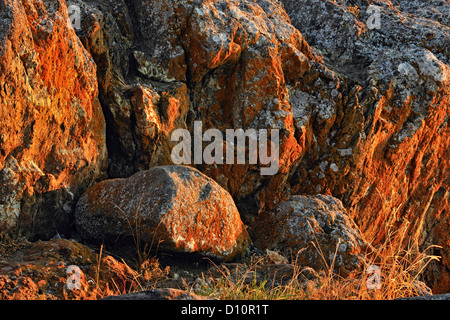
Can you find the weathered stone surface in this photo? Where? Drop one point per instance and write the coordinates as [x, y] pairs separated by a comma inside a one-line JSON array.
[[362, 112], [440, 297], [52, 132], [386, 154], [141, 100], [314, 230], [177, 206], [242, 56], [367, 124], [159, 294], [225, 63]]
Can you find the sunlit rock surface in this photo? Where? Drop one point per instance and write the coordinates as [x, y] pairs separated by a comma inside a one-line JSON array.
[[52, 130], [361, 104]]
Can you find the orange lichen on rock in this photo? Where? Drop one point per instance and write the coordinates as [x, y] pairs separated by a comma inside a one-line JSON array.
[[362, 115], [175, 206], [53, 130]]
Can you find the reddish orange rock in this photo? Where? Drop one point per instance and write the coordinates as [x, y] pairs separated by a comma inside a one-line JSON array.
[[384, 149], [52, 132]]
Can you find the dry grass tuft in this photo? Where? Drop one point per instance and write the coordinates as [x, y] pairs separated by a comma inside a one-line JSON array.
[[389, 272]]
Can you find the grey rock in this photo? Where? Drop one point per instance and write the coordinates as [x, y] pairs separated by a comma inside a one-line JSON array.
[[435, 297], [314, 231], [159, 294]]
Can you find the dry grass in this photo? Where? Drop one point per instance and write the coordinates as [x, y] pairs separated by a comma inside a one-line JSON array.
[[399, 269], [400, 273], [398, 261], [149, 274], [389, 272]]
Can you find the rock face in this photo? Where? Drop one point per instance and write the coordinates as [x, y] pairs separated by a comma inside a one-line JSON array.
[[314, 230], [52, 133], [177, 205], [225, 63], [386, 154], [367, 124], [142, 103], [445, 296]]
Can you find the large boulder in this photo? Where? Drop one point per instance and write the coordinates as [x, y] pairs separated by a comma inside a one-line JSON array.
[[314, 231], [175, 205], [52, 132]]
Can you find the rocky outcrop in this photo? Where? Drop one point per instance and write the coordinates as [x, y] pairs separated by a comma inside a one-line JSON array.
[[314, 231], [177, 208], [52, 133], [386, 154], [362, 108], [439, 297], [62, 269], [367, 124], [225, 63]]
